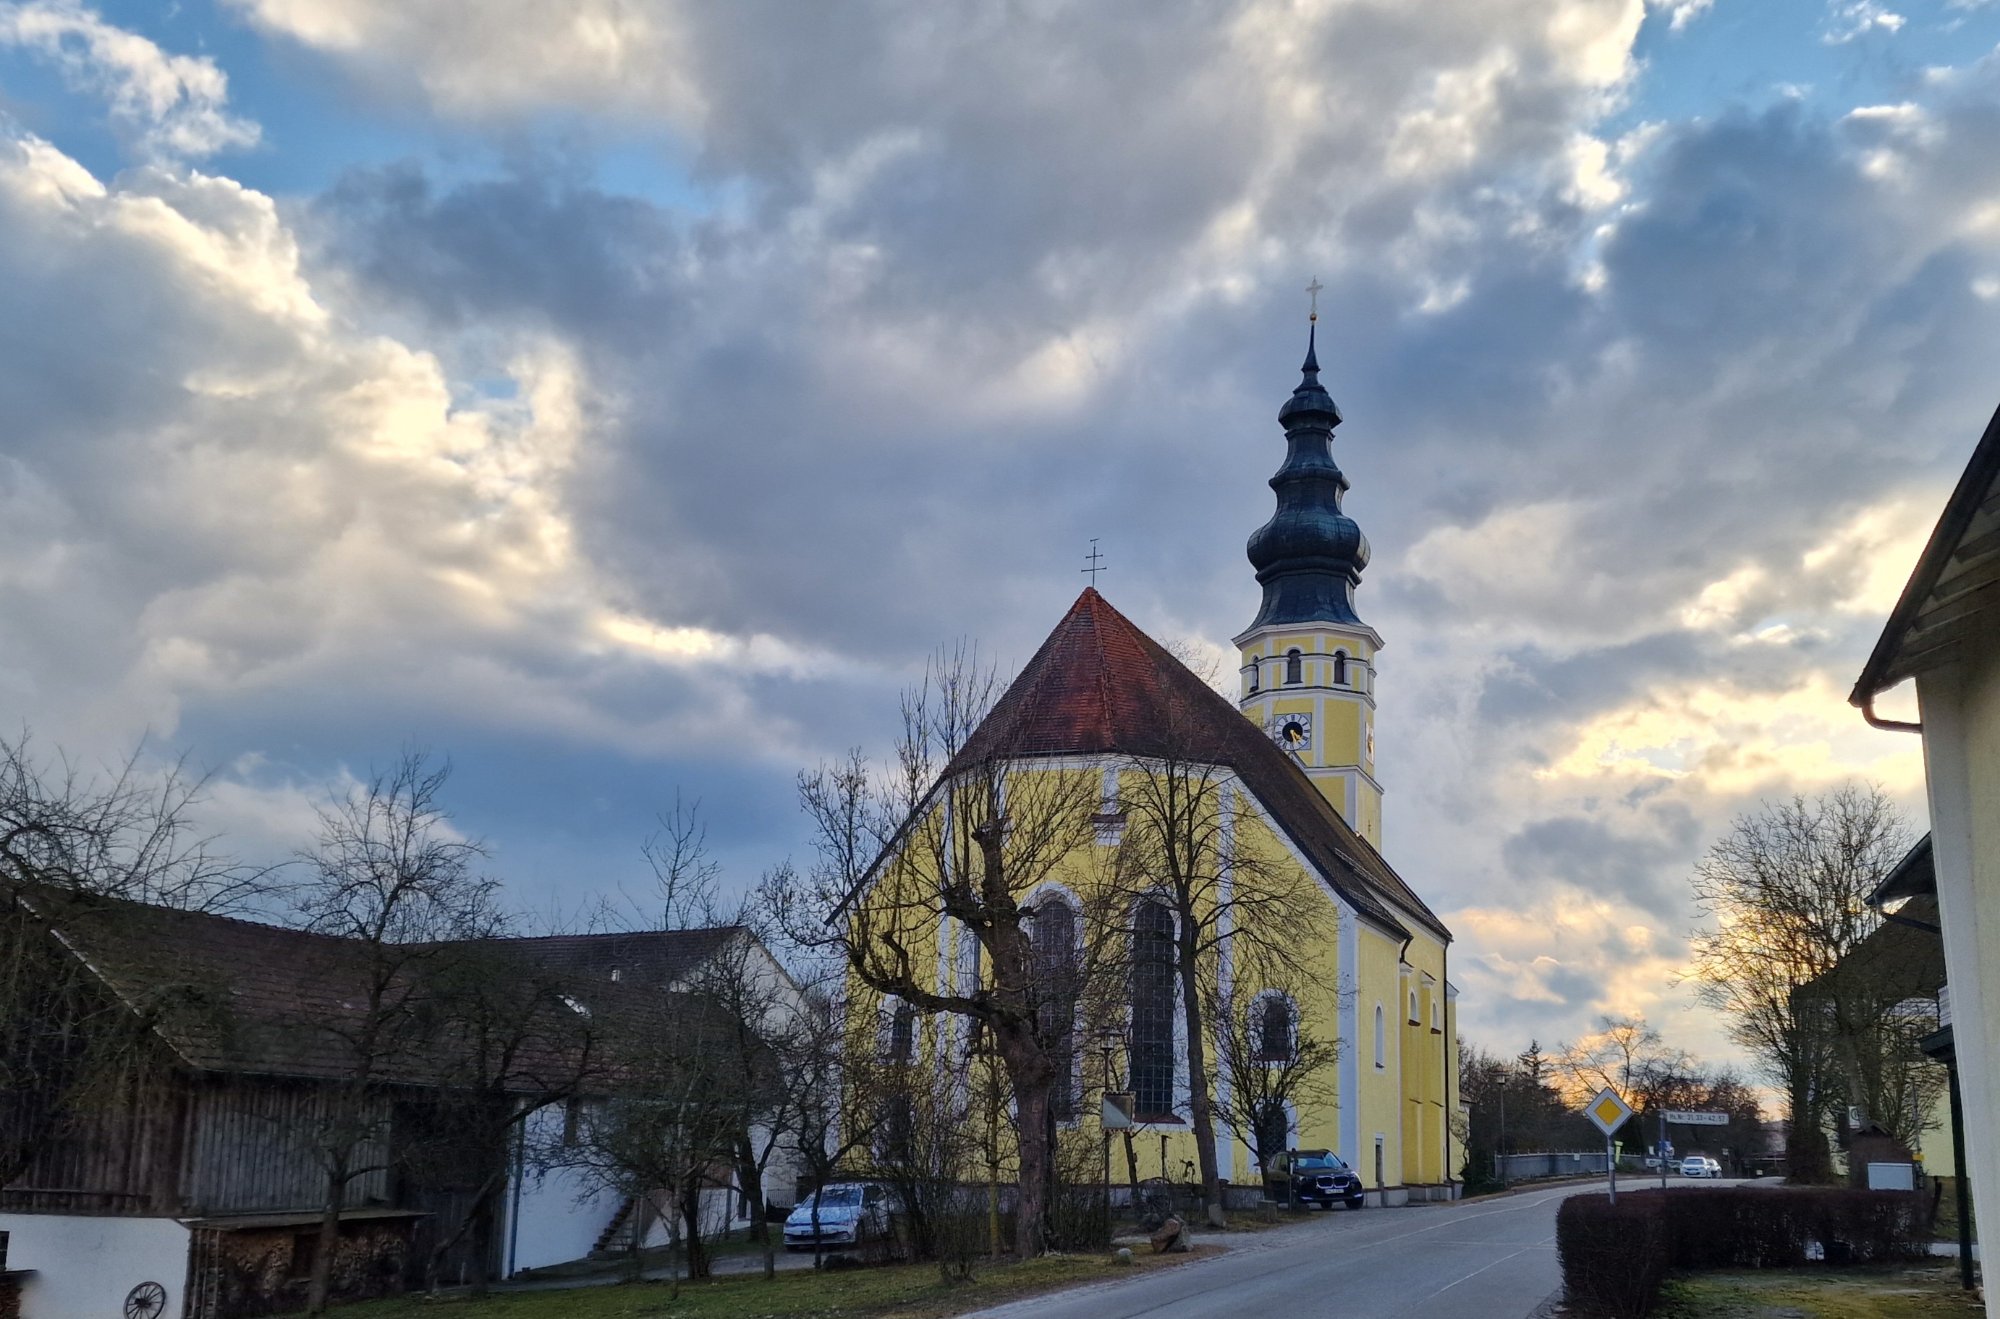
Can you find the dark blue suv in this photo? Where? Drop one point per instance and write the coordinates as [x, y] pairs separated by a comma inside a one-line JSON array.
[[1316, 1177]]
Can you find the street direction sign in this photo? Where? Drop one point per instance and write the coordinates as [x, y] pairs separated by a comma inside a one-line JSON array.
[[1607, 1110], [1117, 1109], [1695, 1117]]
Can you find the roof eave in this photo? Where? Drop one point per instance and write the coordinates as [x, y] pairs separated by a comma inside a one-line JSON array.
[[1878, 675]]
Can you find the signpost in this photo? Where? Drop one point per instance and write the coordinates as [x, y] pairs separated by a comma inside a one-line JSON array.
[[1608, 1112], [1691, 1117]]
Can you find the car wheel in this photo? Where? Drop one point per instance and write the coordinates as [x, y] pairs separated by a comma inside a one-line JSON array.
[[1356, 1203]]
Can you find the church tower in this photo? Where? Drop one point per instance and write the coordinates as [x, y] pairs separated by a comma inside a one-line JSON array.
[[1308, 660]]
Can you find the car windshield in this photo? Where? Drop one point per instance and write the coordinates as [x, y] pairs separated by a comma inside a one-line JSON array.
[[833, 1197], [1317, 1160]]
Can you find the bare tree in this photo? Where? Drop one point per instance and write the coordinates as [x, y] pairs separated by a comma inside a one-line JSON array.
[[1272, 1064], [75, 848], [1787, 890], [395, 883], [507, 1039], [941, 858], [1183, 855]]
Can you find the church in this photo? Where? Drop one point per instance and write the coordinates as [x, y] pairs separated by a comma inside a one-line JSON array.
[[1277, 795]]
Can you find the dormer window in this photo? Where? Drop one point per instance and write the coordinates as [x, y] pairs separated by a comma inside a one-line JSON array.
[[1340, 668], [1295, 666]]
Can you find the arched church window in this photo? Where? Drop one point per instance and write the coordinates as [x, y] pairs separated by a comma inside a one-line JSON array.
[[1340, 668], [1381, 1039], [1052, 939], [1152, 1061], [1274, 1029], [1295, 666], [903, 1034], [1415, 1020], [1256, 667]]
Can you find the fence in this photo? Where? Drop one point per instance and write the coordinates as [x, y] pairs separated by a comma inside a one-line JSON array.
[[1576, 1163]]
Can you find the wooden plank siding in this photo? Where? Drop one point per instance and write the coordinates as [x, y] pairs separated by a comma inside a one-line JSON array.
[[253, 1152], [199, 1146]]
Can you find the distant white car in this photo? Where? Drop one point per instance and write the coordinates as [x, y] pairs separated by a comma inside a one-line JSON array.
[[1700, 1165]]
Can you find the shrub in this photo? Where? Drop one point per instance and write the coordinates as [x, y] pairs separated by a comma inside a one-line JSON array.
[[1614, 1257]]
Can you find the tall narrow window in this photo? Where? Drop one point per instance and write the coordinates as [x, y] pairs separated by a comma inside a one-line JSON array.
[[1256, 667], [1153, 1010], [1295, 666], [1052, 937], [1340, 668], [1274, 1029], [903, 1034], [1381, 1039]]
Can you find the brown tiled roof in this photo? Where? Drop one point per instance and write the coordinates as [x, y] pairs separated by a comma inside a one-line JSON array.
[[647, 957], [1100, 686], [233, 995]]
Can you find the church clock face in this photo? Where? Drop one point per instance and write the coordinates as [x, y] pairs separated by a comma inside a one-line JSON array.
[[1294, 732]]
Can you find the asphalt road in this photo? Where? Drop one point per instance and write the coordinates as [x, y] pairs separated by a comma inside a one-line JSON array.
[[1478, 1259]]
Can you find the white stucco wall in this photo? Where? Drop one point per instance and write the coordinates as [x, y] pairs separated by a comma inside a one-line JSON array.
[[560, 1216], [1961, 716], [84, 1267]]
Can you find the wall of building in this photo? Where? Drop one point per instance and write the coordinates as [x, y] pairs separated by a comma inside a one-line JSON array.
[[1960, 706], [86, 1266]]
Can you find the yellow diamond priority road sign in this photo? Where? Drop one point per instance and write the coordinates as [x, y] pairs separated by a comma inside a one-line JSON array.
[[1607, 1110]]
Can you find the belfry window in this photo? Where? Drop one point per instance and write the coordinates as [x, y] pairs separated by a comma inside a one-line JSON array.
[[1256, 667], [1052, 937], [1152, 1062], [1295, 666], [1340, 668]]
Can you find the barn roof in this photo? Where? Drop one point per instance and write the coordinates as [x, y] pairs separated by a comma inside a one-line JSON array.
[[242, 996], [1100, 686]]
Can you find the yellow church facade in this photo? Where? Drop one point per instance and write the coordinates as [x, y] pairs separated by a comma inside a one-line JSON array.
[[1275, 796]]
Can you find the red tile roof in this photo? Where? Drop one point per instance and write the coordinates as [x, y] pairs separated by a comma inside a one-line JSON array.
[[1100, 686]]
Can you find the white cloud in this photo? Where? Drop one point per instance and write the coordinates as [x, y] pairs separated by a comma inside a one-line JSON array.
[[1848, 20], [175, 104]]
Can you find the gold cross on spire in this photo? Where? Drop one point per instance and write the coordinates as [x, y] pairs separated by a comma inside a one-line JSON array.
[[1314, 288]]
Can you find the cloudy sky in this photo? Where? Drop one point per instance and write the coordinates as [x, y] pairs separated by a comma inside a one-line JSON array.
[[624, 396]]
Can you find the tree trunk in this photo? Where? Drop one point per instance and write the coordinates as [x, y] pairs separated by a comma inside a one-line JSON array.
[[1032, 1078], [321, 1279], [750, 1180], [697, 1249], [481, 1238], [1201, 1110]]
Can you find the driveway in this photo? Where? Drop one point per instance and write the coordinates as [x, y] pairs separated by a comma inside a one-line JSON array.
[[1491, 1258]]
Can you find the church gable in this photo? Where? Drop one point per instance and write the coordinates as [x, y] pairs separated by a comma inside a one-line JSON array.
[[1100, 686]]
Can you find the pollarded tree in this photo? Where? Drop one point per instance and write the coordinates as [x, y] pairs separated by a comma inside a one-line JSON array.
[[924, 890], [1787, 889]]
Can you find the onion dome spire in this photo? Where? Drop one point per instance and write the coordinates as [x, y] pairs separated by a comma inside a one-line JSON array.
[[1309, 556]]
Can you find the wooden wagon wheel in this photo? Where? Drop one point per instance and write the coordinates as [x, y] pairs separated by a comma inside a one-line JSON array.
[[146, 1301]]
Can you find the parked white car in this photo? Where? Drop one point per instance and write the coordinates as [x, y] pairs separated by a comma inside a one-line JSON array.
[[849, 1213], [1700, 1165]]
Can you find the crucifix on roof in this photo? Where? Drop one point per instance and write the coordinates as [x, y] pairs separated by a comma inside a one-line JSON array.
[[1096, 562], [1315, 288]]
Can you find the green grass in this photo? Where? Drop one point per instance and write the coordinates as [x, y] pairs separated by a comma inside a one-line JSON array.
[[1920, 1292], [908, 1291]]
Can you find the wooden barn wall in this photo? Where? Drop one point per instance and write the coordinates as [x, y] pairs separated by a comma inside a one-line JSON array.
[[123, 1160], [253, 1148]]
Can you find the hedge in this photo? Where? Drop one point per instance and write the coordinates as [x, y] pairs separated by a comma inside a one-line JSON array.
[[1614, 1257]]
